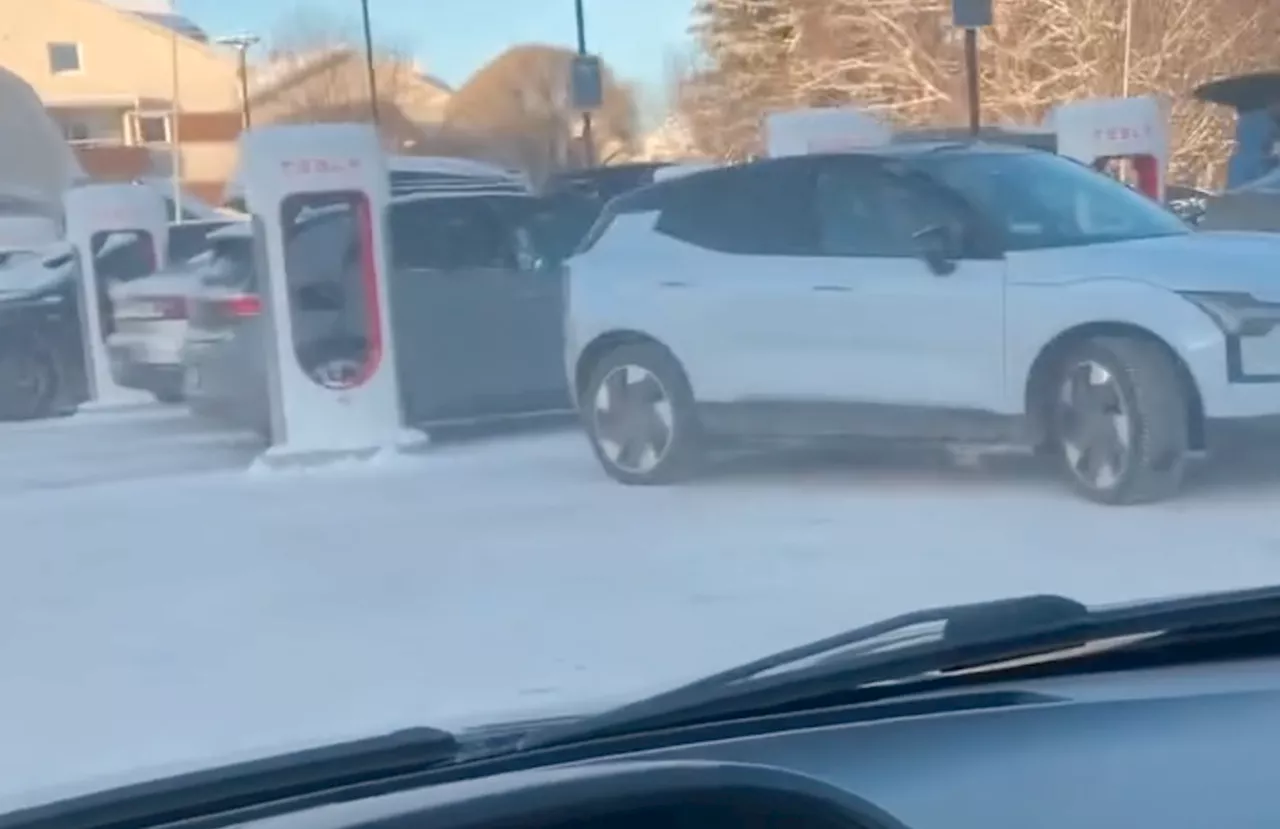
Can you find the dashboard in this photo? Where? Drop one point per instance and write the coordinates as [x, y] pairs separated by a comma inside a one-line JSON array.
[[1174, 748]]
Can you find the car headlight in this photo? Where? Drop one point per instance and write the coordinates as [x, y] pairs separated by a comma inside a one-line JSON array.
[[1237, 314]]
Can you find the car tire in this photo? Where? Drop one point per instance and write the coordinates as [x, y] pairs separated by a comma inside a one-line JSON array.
[[655, 438], [29, 381], [169, 396], [1118, 414]]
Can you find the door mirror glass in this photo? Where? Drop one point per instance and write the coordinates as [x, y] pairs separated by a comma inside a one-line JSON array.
[[939, 248]]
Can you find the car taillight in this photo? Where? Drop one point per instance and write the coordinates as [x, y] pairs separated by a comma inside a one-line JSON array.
[[241, 305]]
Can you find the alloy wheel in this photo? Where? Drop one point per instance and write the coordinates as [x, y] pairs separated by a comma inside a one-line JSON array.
[[1094, 425], [634, 419]]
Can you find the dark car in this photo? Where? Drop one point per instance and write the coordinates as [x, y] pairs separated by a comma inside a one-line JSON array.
[[572, 201], [476, 312], [41, 349], [42, 361]]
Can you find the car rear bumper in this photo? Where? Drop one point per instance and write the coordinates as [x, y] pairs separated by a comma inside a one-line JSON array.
[[163, 379]]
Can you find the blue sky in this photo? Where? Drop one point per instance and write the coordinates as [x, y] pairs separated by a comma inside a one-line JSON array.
[[452, 38]]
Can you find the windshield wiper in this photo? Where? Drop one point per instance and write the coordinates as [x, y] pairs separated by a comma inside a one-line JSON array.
[[913, 646], [243, 785]]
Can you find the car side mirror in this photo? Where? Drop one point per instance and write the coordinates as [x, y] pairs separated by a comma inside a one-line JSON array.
[[938, 247]]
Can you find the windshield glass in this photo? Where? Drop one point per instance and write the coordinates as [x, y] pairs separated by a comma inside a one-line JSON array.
[[514, 360], [1041, 201]]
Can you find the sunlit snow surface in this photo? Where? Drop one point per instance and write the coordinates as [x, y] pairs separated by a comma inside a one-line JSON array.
[[159, 606]]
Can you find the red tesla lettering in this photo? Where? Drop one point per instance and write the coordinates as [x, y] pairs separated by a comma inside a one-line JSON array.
[[307, 166]]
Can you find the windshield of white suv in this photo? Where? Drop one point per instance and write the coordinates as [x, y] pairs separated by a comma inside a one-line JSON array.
[[1040, 200]]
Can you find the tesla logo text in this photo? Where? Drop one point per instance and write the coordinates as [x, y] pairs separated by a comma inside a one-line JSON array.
[[1121, 133], [319, 166]]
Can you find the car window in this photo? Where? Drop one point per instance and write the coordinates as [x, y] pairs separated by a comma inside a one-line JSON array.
[[864, 211], [451, 234], [187, 240], [763, 209], [319, 244], [122, 256], [1044, 201], [229, 263]]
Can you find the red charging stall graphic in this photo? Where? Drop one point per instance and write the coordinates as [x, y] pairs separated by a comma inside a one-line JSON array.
[[332, 274]]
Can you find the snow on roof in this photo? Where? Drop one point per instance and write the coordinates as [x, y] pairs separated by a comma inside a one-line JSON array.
[[176, 23], [434, 176]]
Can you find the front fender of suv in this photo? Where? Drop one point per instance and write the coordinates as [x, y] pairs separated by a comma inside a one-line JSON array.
[[1045, 320]]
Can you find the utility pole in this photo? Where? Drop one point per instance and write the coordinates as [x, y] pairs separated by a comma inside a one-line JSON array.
[[588, 141], [368, 61], [1128, 47], [175, 131], [242, 43]]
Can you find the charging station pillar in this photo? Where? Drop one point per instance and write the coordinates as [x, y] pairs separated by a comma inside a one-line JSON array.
[[319, 197], [102, 217], [1097, 130]]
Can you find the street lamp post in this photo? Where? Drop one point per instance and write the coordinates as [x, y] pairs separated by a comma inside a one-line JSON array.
[[242, 44], [368, 61], [588, 142]]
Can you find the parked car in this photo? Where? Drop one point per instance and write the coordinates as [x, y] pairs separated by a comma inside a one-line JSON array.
[[148, 312], [1189, 203], [572, 201], [41, 349], [948, 292], [476, 310]]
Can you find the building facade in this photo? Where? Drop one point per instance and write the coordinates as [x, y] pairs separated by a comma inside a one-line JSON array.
[[142, 92], [129, 82]]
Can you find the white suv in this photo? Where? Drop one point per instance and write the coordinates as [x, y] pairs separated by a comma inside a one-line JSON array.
[[949, 292]]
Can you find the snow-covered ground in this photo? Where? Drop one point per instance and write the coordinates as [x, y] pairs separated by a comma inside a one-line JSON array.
[[149, 617]]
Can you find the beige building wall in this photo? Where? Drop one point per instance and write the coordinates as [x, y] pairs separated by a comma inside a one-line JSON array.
[[99, 70], [108, 77]]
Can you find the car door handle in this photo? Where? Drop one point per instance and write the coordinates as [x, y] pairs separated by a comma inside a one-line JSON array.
[[843, 289], [673, 283]]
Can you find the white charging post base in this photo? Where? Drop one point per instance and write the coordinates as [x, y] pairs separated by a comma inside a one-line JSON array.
[[319, 196], [100, 216]]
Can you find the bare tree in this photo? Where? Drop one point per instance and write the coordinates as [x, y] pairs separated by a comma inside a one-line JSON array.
[[902, 58], [521, 101], [316, 72]]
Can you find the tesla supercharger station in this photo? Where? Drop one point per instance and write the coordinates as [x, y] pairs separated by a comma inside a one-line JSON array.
[[100, 216], [823, 130], [296, 175], [1099, 130]]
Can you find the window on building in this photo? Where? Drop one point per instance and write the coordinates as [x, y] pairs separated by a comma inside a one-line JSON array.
[[64, 57], [151, 129], [76, 131]]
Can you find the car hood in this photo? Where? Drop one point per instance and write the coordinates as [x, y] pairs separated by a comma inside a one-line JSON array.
[[28, 276], [1204, 261]]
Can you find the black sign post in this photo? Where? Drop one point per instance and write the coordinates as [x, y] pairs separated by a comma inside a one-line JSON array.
[[586, 84], [972, 15]]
